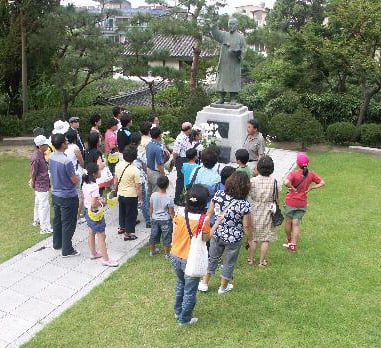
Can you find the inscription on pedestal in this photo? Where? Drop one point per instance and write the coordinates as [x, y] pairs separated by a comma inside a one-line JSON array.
[[223, 128]]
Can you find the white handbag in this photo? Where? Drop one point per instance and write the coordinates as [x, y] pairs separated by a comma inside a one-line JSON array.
[[197, 263]]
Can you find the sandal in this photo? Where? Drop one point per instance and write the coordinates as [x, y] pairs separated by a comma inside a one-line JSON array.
[[129, 237], [250, 261], [121, 230], [263, 263]]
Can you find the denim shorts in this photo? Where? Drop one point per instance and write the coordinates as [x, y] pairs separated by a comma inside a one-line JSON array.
[[95, 226], [161, 228]]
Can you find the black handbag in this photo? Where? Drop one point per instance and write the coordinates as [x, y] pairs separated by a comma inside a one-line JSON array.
[[276, 217]]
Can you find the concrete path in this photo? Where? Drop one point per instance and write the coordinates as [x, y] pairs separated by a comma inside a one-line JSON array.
[[37, 285]]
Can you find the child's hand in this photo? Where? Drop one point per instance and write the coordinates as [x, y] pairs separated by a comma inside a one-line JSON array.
[[102, 200], [219, 219]]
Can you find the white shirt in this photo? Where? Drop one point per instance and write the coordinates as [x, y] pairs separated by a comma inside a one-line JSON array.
[[70, 153]]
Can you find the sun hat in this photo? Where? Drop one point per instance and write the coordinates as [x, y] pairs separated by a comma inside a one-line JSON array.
[[60, 127], [40, 140], [73, 119], [302, 159]]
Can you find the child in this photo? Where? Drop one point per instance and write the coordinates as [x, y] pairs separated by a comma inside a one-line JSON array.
[[162, 212], [298, 182], [241, 158], [40, 183], [187, 168], [186, 287], [93, 201], [195, 138]]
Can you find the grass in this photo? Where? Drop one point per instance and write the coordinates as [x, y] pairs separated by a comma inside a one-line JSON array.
[[16, 207], [326, 295]]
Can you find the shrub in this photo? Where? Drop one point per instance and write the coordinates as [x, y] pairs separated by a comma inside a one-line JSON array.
[[340, 133], [370, 134], [299, 126], [10, 126], [287, 102], [264, 122]]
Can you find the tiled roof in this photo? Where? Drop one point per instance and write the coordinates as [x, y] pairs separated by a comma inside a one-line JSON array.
[[141, 96], [178, 46]]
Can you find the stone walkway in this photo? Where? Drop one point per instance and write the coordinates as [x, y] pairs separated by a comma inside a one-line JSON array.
[[37, 285]]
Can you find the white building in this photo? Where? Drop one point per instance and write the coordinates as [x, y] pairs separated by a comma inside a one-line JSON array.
[[257, 12]]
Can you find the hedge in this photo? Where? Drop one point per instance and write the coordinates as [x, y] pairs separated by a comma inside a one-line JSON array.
[[370, 134], [340, 133]]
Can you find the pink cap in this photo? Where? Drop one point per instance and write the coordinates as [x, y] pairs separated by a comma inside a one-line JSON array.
[[302, 159]]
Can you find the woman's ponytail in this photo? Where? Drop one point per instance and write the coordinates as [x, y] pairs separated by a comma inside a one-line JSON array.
[[305, 170]]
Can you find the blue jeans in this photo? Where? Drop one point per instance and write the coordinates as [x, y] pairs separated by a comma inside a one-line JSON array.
[[145, 205], [186, 291]]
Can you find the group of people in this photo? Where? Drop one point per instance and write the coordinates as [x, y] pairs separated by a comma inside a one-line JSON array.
[[224, 203]]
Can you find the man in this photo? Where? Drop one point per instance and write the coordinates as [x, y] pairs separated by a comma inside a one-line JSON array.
[[254, 144], [74, 126], [233, 47], [124, 134], [155, 160], [180, 147], [64, 197], [117, 113], [40, 183]]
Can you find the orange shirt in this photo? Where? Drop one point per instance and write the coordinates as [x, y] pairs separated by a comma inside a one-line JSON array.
[[180, 238]]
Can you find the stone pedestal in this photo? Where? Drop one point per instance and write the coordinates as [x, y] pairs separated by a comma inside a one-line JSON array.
[[232, 124]]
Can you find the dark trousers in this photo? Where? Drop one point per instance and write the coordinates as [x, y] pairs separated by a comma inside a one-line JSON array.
[[180, 178], [128, 212], [64, 223]]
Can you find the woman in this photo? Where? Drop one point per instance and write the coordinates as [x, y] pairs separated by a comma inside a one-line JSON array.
[[186, 287], [263, 191], [129, 188], [195, 139], [96, 122], [75, 156], [298, 183], [111, 144], [227, 239]]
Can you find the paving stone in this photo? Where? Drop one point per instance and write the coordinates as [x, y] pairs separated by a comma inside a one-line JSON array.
[[33, 310], [3, 344], [27, 265], [55, 294], [70, 262], [12, 327], [2, 314], [10, 299], [50, 272], [30, 286], [9, 277], [46, 254], [90, 267], [74, 280]]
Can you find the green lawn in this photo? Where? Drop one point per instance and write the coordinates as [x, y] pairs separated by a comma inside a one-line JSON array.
[[327, 295], [16, 207]]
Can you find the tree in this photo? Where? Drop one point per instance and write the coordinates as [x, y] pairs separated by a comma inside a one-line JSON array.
[[82, 54]]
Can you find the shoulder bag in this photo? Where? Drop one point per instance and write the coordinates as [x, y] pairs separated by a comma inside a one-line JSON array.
[[116, 188], [276, 216], [197, 263]]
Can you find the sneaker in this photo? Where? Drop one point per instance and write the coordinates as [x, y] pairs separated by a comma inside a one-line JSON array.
[[74, 253], [292, 247], [48, 231], [176, 316], [285, 245], [203, 287], [191, 322], [36, 223], [227, 289], [96, 255], [110, 263], [153, 253], [81, 220]]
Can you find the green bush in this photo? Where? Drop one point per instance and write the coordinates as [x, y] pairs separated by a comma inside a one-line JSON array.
[[340, 133], [10, 126], [300, 126], [264, 122], [287, 102], [370, 134]]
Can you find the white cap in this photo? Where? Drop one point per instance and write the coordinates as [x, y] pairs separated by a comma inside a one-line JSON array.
[[40, 140], [60, 127]]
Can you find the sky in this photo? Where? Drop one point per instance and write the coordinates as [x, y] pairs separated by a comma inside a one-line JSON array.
[[135, 3]]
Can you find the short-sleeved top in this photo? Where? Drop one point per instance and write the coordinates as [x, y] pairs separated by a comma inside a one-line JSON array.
[[39, 171], [139, 163], [154, 155], [61, 170], [90, 191], [70, 153], [160, 206], [299, 199], [207, 177], [181, 144], [123, 138], [180, 238], [245, 170], [187, 169], [129, 179], [231, 228], [144, 142], [110, 139], [255, 145]]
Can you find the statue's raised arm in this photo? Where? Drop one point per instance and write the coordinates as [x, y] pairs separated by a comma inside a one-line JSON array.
[[232, 49]]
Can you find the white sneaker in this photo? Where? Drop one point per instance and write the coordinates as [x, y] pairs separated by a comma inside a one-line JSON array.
[[36, 223], [47, 231], [191, 322], [203, 287], [227, 289]]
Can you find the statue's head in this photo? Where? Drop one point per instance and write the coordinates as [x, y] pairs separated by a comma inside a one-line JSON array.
[[232, 24]]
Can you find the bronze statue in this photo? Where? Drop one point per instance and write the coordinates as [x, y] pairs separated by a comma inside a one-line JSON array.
[[233, 46]]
